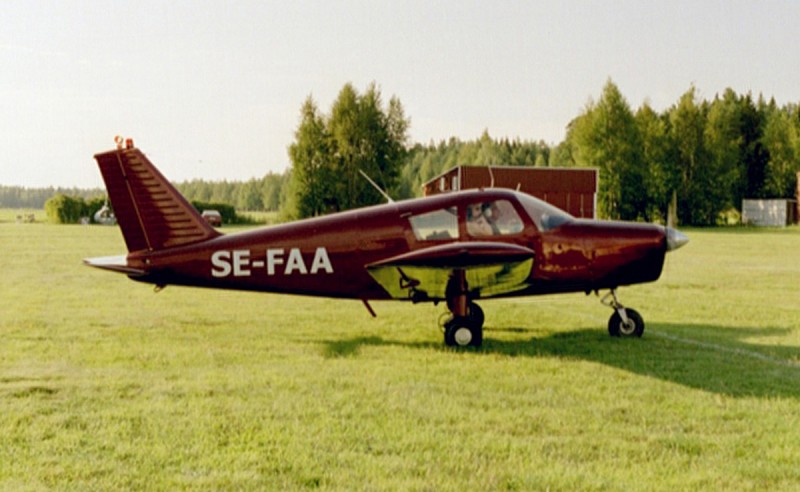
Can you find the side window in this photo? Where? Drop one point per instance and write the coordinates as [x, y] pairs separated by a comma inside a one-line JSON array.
[[435, 226], [497, 218]]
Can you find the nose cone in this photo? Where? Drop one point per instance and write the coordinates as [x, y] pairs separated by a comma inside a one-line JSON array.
[[675, 239]]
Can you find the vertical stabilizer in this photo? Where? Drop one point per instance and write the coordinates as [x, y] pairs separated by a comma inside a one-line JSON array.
[[152, 214]]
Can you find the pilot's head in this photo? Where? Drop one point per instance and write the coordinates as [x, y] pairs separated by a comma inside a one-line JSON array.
[[474, 211]]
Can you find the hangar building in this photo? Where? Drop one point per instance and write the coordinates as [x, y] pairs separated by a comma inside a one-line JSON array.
[[570, 189]]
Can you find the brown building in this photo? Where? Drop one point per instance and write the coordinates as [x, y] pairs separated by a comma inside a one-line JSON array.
[[570, 189], [798, 196]]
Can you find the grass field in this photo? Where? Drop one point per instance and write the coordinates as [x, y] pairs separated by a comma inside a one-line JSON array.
[[105, 384]]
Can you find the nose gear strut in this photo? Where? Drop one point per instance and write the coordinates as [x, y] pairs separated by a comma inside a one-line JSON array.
[[625, 322]]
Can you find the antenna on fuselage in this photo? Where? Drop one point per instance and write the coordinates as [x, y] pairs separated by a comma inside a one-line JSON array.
[[374, 185], [491, 177]]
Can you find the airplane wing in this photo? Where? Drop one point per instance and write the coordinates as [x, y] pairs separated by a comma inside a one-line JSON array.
[[490, 268]]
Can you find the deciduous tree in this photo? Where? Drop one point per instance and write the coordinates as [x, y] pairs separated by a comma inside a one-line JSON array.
[[329, 152]]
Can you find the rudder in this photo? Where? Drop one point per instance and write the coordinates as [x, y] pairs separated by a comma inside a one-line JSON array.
[[152, 214]]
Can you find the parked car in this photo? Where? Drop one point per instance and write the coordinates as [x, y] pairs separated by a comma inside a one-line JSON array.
[[213, 217]]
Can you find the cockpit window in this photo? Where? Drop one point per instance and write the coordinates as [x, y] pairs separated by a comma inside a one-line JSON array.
[[544, 215], [435, 226], [494, 218]]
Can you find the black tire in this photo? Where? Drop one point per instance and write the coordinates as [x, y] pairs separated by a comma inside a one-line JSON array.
[[462, 332], [634, 328], [475, 314]]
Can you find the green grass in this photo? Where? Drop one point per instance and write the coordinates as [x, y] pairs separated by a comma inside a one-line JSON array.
[[11, 214], [260, 217], [105, 384]]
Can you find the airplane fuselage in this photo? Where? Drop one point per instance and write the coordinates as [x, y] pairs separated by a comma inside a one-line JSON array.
[[326, 256], [457, 247]]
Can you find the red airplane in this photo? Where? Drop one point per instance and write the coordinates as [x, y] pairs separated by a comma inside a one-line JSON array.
[[457, 247]]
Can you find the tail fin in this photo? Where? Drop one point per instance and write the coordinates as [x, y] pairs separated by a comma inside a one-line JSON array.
[[153, 215]]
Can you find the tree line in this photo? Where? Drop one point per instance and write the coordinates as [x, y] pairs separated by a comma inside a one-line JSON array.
[[425, 162], [262, 194], [696, 160], [255, 194], [702, 156], [21, 197], [692, 163]]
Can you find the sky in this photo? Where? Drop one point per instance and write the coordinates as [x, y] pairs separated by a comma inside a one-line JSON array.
[[212, 89]]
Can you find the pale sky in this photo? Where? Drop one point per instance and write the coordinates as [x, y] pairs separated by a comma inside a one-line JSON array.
[[212, 89]]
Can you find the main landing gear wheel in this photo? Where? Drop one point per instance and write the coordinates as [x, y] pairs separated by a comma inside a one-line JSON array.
[[625, 322], [463, 332], [465, 327], [475, 314]]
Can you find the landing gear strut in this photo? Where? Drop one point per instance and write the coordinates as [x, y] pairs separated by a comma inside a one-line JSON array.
[[465, 327], [625, 322]]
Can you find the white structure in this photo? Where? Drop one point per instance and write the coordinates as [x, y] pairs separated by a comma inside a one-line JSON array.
[[769, 213]]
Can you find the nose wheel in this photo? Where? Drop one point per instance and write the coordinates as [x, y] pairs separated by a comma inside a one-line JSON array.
[[625, 322]]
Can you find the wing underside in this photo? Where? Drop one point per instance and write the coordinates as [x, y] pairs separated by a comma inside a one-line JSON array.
[[490, 269]]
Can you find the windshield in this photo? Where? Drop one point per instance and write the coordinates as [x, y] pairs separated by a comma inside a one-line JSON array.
[[544, 215]]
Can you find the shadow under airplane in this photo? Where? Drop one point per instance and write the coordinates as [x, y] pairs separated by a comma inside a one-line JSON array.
[[726, 365]]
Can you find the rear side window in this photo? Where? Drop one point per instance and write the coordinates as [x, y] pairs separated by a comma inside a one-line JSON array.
[[435, 226]]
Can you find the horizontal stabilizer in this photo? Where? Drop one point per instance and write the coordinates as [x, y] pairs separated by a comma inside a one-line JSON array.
[[117, 264]]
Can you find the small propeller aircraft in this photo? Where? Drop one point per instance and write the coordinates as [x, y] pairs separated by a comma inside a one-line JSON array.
[[455, 248]]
